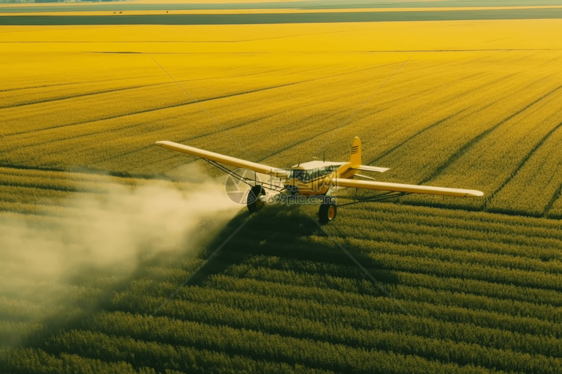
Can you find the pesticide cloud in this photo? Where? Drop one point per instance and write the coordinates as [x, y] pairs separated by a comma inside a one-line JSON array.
[[106, 230]]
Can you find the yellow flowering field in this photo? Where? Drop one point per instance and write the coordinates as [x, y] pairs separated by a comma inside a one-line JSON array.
[[464, 286]]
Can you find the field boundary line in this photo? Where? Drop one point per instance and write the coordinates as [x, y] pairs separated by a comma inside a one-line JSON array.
[[376, 282], [200, 106], [215, 252], [362, 105]]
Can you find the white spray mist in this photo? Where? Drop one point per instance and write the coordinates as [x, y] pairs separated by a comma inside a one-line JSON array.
[[105, 231]]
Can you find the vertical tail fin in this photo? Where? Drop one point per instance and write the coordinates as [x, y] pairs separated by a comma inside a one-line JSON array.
[[356, 153]]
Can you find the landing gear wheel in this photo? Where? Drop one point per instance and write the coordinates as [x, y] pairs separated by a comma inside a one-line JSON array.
[[328, 212], [253, 201]]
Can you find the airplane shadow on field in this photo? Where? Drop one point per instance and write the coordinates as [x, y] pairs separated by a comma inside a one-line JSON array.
[[287, 234]]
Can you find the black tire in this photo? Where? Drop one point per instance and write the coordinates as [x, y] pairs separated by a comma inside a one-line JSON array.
[[253, 201], [328, 212]]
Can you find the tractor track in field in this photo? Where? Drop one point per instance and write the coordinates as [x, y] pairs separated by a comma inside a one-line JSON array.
[[278, 151], [151, 145], [175, 105], [521, 164], [200, 136], [162, 108], [44, 187], [25, 211], [301, 141], [113, 90], [81, 170], [451, 160], [136, 150], [557, 195], [74, 137], [436, 124], [152, 110], [186, 139], [464, 93], [83, 95], [214, 133], [76, 84]]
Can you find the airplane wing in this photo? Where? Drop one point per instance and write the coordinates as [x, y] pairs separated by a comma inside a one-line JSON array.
[[217, 157], [409, 188]]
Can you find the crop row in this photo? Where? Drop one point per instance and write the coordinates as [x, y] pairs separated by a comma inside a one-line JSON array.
[[335, 326], [461, 267], [337, 296], [165, 357], [467, 222], [261, 311], [420, 245], [480, 221], [32, 360], [413, 231], [427, 293], [391, 278], [260, 346], [492, 318], [271, 291], [438, 228], [444, 253]]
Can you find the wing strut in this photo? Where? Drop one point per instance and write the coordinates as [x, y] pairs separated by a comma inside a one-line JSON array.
[[243, 179], [378, 197]]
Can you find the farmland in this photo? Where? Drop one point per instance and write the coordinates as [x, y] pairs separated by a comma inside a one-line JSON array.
[[467, 286], [268, 17]]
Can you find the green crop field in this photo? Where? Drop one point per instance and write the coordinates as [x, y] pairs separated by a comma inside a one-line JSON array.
[[104, 236], [246, 19]]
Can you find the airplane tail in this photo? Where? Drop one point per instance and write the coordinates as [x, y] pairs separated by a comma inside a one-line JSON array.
[[356, 153]]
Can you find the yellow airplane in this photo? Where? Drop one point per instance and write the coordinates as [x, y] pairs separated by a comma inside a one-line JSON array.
[[316, 178]]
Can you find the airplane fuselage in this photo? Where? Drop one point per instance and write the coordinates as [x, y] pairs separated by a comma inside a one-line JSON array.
[[316, 177]]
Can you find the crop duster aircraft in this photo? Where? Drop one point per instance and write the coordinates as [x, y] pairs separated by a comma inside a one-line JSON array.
[[316, 178]]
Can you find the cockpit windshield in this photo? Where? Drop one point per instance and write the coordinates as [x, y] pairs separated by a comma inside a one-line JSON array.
[[311, 174]]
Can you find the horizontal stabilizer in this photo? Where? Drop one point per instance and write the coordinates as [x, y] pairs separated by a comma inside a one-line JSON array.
[[364, 176], [370, 168]]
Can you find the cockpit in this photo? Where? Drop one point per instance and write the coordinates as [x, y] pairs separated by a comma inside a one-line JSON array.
[[311, 174]]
